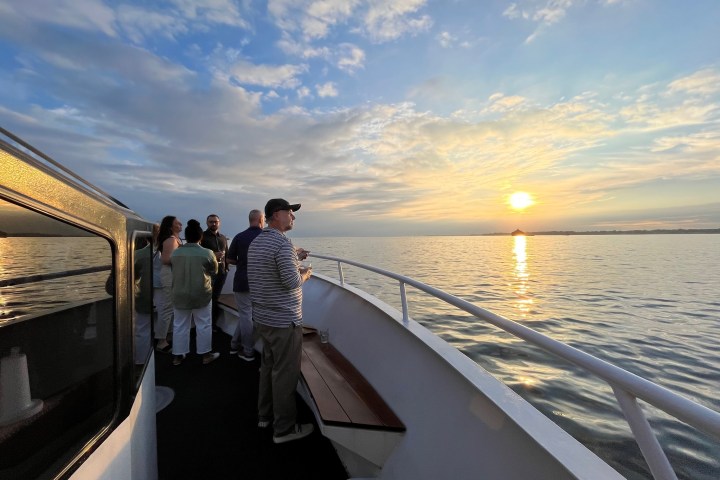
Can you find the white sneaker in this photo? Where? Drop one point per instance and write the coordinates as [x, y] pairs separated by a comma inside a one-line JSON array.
[[298, 432], [247, 358]]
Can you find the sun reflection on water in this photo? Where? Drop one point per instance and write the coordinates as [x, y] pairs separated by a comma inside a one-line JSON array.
[[524, 301]]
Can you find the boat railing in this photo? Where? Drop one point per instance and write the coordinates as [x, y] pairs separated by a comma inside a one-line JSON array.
[[8, 282], [626, 386], [79, 181]]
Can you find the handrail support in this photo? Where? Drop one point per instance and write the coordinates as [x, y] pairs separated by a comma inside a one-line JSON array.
[[340, 274], [647, 441], [403, 299]]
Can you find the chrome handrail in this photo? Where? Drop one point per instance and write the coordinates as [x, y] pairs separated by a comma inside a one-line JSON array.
[[627, 386]]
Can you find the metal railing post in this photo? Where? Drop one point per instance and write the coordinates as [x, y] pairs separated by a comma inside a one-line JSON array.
[[340, 273], [647, 441], [403, 299]]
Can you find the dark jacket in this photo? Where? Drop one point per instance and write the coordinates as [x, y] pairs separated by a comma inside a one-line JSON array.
[[238, 252], [216, 243]]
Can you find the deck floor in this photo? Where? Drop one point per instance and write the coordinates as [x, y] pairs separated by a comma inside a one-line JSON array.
[[209, 430]]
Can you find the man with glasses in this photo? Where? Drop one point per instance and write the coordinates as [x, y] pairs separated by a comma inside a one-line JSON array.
[[217, 242]]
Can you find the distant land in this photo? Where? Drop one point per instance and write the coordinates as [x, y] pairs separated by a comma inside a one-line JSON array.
[[613, 232]]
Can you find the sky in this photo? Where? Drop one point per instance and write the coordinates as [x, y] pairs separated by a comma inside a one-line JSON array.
[[381, 117]]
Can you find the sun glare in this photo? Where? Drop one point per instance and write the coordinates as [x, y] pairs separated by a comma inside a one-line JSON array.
[[520, 200]]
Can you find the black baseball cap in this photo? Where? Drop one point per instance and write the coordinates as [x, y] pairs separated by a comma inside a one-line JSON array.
[[276, 204]]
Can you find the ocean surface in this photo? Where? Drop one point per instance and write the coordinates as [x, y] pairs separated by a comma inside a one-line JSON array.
[[21, 257], [647, 303]]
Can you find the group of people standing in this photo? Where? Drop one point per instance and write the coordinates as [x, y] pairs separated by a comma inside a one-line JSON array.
[[268, 291], [183, 286]]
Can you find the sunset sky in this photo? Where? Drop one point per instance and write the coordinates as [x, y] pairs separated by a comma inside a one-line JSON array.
[[382, 117]]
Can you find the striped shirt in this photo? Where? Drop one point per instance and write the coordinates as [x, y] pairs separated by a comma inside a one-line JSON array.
[[274, 280]]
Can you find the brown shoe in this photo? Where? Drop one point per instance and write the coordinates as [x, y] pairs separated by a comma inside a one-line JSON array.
[[178, 359], [210, 357]]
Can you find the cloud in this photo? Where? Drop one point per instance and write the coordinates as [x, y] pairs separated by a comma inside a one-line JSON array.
[[86, 15], [215, 12], [501, 103], [139, 23], [446, 40], [552, 11], [689, 100], [350, 58], [387, 20], [328, 89], [545, 13], [272, 76], [303, 92], [704, 82], [311, 19], [378, 20]]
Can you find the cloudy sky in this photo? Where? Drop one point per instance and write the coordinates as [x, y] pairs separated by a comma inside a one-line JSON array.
[[382, 117]]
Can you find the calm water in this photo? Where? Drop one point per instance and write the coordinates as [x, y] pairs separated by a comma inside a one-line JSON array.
[[22, 257], [647, 303]]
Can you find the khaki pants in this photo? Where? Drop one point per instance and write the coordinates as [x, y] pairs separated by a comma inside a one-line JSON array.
[[279, 375]]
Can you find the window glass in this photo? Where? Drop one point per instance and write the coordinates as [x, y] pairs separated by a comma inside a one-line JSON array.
[[57, 383]]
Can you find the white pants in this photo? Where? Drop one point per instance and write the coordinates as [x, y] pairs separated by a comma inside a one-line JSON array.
[[163, 303], [203, 330]]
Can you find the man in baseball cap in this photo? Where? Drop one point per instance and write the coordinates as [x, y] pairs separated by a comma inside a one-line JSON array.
[[277, 204], [275, 278]]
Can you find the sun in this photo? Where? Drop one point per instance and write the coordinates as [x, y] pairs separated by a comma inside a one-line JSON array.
[[520, 200]]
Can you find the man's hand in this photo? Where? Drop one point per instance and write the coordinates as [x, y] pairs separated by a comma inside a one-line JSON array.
[[302, 253], [305, 273]]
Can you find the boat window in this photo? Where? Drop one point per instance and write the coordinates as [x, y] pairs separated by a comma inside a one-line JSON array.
[[142, 302], [57, 380]]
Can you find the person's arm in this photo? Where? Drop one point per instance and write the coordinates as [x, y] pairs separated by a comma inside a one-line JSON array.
[[232, 252], [287, 263], [212, 265], [169, 246]]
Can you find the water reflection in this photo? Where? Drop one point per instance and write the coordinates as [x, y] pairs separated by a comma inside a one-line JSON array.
[[523, 301]]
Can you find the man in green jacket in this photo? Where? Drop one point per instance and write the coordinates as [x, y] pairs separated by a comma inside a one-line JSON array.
[[192, 268]]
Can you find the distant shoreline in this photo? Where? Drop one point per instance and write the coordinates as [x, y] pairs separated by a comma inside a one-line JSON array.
[[611, 232], [496, 234]]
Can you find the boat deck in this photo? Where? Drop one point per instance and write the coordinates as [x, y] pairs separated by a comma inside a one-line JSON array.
[[209, 430]]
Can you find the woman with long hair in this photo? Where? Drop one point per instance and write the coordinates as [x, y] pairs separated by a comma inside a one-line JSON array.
[[168, 240]]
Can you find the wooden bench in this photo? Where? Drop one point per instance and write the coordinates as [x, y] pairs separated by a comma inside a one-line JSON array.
[[348, 410], [342, 395]]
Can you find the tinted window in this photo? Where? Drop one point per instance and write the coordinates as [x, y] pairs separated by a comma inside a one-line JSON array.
[[56, 341]]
